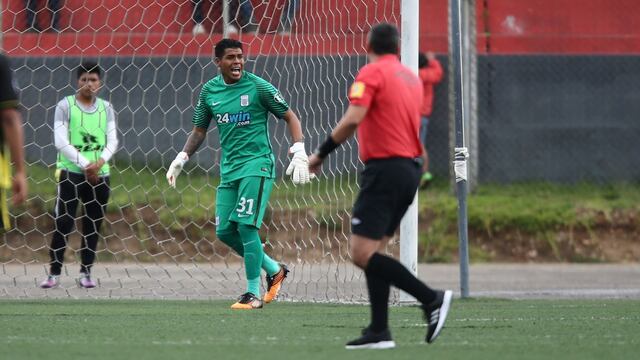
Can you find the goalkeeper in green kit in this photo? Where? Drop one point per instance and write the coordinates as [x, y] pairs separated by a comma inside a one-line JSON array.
[[239, 103]]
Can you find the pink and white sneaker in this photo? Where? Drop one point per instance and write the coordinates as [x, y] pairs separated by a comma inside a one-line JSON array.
[[50, 282], [86, 282]]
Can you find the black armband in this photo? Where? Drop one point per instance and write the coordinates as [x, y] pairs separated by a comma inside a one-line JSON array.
[[326, 148]]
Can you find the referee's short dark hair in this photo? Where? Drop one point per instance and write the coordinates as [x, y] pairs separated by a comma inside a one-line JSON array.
[[225, 44], [384, 38], [90, 67]]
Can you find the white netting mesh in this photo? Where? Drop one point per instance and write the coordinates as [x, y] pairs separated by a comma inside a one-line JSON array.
[[157, 241]]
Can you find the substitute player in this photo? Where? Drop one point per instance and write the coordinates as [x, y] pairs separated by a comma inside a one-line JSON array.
[[238, 103], [85, 135], [385, 110]]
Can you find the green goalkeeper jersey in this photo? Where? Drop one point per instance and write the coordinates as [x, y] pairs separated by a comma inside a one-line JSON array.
[[240, 111]]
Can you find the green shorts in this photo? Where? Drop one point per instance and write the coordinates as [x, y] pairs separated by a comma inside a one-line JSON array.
[[243, 201]]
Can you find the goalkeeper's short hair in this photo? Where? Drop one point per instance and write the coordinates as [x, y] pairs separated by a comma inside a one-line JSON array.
[[225, 44]]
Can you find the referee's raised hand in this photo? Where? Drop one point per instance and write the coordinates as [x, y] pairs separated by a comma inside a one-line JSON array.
[[315, 163]]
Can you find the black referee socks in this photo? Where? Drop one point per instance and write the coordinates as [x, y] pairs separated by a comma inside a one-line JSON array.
[[393, 272], [379, 299]]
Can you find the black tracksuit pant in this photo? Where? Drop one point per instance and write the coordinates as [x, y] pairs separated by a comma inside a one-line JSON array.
[[73, 188]]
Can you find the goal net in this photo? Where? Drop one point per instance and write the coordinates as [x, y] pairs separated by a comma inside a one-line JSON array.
[[156, 241]]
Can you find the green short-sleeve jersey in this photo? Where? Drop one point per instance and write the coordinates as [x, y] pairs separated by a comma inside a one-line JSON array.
[[240, 112]]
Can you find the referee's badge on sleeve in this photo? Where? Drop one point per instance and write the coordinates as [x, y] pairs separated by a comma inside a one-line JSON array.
[[357, 90], [244, 100]]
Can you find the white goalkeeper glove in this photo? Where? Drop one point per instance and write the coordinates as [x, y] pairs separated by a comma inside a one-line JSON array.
[[176, 167], [299, 166]]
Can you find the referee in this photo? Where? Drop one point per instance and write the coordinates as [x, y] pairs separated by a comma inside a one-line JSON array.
[[384, 108]]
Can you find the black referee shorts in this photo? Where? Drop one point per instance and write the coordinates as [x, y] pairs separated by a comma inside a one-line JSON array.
[[387, 188]]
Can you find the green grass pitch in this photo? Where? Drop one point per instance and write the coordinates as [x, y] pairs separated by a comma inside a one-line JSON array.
[[156, 329]]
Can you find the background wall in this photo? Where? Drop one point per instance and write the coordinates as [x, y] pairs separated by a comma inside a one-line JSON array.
[[556, 78]]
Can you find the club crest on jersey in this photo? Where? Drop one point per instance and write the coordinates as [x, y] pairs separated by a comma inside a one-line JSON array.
[[278, 98], [244, 100]]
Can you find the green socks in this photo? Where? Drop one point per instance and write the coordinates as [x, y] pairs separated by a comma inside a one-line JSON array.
[[253, 255], [269, 265], [232, 240]]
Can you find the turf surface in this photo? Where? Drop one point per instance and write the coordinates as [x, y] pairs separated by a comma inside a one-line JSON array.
[[154, 329]]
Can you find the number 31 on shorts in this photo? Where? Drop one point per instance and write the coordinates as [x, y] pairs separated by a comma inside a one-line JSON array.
[[245, 207]]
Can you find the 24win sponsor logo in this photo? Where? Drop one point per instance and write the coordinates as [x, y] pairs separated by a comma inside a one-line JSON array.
[[241, 118]]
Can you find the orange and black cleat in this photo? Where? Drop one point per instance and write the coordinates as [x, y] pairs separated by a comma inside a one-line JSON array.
[[274, 283], [247, 301]]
